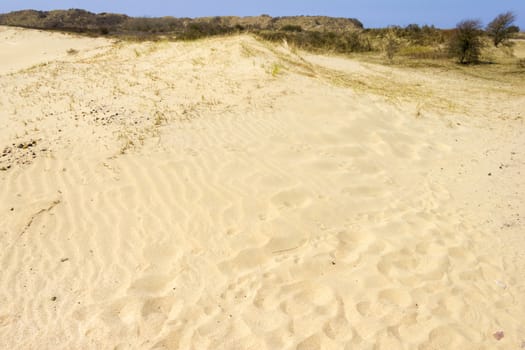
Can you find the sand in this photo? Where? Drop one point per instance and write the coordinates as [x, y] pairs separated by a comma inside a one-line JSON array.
[[232, 194]]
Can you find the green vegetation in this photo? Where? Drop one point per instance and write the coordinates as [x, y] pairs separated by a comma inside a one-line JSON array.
[[348, 42], [276, 69], [145, 28], [292, 28], [74, 20]]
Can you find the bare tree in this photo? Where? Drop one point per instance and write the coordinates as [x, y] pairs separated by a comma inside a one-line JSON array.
[[466, 44], [501, 28]]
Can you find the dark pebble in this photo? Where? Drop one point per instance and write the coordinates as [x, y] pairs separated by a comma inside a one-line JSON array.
[[53, 298]]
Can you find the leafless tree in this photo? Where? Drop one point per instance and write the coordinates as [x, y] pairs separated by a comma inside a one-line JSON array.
[[501, 28]]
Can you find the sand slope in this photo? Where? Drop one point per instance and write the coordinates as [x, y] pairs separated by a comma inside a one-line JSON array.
[[228, 194], [21, 49]]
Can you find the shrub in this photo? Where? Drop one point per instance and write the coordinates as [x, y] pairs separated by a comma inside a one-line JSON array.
[[321, 41], [465, 43], [292, 28], [501, 28], [391, 44], [422, 52], [199, 30]]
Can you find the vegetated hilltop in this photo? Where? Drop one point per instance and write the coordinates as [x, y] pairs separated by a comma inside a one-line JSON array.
[[82, 21], [313, 33], [71, 20], [309, 23]]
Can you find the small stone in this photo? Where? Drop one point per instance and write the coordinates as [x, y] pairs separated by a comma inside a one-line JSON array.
[[53, 298], [64, 260], [490, 174], [499, 335]]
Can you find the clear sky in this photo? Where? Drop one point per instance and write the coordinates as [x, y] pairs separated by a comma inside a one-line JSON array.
[[373, 13]]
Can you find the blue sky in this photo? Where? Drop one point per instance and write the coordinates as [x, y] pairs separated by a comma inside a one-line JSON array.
[[373, 13]]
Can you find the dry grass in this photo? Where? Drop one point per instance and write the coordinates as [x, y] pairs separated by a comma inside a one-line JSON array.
[[504, 76], [276, 69]]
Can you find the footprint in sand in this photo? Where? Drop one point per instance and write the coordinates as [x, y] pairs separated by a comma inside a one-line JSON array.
[[292, 198]]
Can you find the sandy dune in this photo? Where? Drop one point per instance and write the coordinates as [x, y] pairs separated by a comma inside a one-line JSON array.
[[21, 49], [230, 194]]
